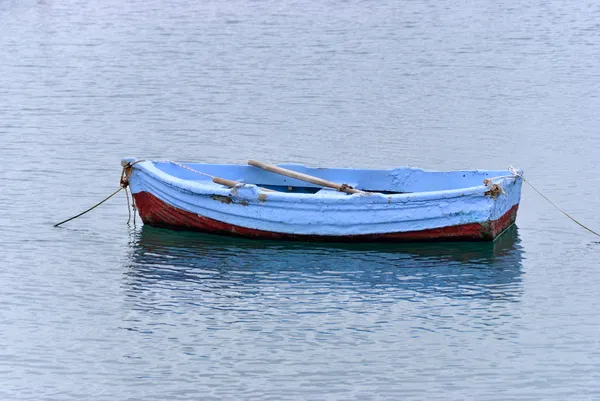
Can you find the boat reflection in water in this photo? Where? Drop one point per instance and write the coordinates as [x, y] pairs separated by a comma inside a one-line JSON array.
[[195, 269]]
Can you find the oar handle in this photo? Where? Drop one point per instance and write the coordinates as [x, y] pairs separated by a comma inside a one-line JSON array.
[[231, 183], [305, 177]]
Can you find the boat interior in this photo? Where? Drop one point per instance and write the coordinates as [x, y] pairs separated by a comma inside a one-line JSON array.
[[391, 181]]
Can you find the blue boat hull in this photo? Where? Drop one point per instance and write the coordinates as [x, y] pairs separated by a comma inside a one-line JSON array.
[[406, 204]]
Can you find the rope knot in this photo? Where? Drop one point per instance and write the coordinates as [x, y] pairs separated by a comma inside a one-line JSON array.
[[514, 171], [124, 181], [344, 188], [495, 190]]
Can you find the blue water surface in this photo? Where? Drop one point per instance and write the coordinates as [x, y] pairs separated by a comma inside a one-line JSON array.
[[104, 311]]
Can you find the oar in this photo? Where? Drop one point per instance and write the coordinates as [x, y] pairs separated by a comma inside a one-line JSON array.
[[305, 177], [231, 183]]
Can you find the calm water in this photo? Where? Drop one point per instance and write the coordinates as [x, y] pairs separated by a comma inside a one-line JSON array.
[[98, 310]]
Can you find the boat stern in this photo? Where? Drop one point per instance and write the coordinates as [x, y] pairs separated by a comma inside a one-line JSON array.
[[504, 197]]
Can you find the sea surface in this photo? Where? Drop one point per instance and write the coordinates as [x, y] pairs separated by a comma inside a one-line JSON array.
[[99, 310]]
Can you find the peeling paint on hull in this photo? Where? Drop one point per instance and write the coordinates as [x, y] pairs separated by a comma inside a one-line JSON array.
[[158, 213]]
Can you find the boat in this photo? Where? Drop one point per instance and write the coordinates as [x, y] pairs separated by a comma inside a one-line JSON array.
[[295, 202]]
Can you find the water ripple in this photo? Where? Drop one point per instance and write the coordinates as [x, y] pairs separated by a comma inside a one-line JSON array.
[[95, 310]]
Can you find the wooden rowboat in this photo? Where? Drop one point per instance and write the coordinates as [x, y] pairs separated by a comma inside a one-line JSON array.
[[325, 204]]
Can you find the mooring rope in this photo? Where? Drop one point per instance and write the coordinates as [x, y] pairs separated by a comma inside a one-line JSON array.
[[515, 172], [90, 209], [124, 184], [189, 168], [128, 207], [134, 207]]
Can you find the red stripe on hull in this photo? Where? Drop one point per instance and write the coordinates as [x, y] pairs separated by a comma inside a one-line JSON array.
[[157, 213]]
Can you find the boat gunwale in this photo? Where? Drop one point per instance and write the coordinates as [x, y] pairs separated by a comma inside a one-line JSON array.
[[208, 188]]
